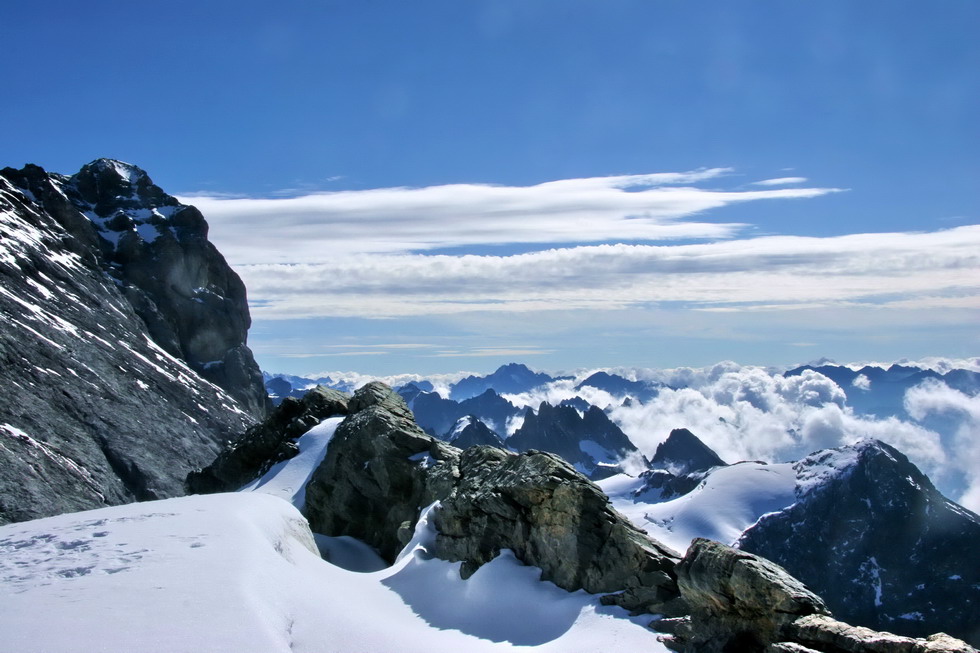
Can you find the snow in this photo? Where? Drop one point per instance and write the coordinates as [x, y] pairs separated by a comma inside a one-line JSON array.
[[597, 452], [722, 507], [237, 572], [820, 467], [288, 478], [458, 428]]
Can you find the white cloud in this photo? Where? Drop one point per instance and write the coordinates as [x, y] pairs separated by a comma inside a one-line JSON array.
[[780, 181], [861, 382], [754, 413], [934, 398], [877, 271], [314, 228]]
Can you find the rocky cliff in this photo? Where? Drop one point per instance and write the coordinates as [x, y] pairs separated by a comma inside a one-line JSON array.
[[157, 252], [104, 346]]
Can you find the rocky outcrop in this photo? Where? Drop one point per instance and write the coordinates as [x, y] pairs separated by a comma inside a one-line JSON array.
[[94, 411], [827, 635], [872, 536], [382, 470], [741, 602], [268, 443], [738, 601], [157, 251], [552, 517]]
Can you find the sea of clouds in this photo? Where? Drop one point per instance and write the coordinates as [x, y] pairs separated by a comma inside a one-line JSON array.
[[755, 413]]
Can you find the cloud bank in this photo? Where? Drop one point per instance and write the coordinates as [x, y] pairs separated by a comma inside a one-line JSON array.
[[754, 413], [898, 270]]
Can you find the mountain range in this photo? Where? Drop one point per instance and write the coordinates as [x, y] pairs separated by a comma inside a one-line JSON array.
[[516, 508]]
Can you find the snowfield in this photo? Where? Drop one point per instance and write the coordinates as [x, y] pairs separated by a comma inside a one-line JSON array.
[[726, 503], [240, 572]]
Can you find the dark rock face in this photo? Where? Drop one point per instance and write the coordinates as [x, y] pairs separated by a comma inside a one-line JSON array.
[[878, 542], [508, 379], [682, 452], [380, 470], [471, 432], [157, 250], [268, 443], [590, 441], [94, 411]]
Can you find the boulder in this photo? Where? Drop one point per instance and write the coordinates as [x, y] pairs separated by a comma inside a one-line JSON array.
[[380, 471], [738, 601], [826, 634]]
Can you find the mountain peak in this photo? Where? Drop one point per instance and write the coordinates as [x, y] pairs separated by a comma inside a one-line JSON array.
[[683, 452], [125, 171]]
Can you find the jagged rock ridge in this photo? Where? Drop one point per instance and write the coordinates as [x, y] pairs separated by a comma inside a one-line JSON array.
[[591, 441], [265, 444], [157, 251]]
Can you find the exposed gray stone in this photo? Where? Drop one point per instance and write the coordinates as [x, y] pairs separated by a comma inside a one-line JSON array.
[[738, 601], [831, 636], [552, 517], [380, 470], [94, 411]]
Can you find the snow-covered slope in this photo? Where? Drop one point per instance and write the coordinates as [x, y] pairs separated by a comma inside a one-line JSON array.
[[288, 479], [720, 508], [238, 572]]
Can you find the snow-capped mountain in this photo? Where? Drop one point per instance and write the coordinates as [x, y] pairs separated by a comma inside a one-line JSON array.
[[508, 379], [869, 533], [859, 524], [470, 432], [123, 343]]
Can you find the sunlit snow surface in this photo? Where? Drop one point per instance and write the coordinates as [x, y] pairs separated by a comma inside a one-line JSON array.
[[237, 572], [726, 503]]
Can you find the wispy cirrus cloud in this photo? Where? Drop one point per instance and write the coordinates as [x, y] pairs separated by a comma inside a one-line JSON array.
[[780, 181], [312, 228], [900, 270]]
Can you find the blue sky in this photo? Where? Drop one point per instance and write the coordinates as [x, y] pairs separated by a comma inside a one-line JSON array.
[[351, 155]]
